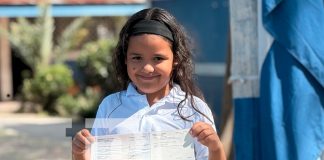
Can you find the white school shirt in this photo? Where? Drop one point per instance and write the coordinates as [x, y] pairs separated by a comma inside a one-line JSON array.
[[129, 112]]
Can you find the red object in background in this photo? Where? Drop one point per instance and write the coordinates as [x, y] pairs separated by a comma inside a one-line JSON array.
[[102, 1], [32, 2]]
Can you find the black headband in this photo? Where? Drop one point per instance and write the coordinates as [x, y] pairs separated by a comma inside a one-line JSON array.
[[153, 27]]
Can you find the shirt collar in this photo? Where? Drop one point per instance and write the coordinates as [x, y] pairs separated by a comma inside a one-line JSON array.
[[131, 91]]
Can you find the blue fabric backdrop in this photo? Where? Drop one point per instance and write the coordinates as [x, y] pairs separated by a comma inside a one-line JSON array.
[[288, 122], [292, 81]]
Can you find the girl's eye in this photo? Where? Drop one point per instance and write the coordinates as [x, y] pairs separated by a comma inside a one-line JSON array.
[[136, 58], [158, 58]]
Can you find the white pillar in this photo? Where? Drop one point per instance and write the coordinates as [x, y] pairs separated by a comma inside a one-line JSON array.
[[249, 45]]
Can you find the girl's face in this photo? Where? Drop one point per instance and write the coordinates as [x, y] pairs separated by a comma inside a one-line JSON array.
[[149, 64]]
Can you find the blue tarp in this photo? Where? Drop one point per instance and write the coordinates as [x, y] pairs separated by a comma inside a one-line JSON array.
[[288, 122], [292, 81]]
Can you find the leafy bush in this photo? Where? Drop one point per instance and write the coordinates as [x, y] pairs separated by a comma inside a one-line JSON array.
[[47, 85], [26, 37], [33, 40], [80, 105], [95, 61]]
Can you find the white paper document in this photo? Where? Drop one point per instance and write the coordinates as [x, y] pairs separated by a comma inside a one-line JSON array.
[[167, 145]]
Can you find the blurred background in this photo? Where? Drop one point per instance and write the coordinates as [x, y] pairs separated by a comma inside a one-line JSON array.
[[55, 64], [55, 68]]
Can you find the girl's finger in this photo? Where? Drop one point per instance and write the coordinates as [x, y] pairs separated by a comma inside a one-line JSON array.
[[88, 135], [76, 142], [195, 129], [204, 134], [77, 150], [198, 127], [81, 141]]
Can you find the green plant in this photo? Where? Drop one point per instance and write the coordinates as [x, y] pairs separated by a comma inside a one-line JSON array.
[[71, 38], [47, 85], [33, 40], [95, 62], [83, 104]]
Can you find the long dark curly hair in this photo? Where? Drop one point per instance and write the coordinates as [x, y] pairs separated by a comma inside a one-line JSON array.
[[182, 72]]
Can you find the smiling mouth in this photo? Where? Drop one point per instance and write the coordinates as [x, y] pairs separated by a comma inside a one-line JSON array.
[[147, 77]]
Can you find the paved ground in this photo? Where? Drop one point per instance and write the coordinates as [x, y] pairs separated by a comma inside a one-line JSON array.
[[33, 137]]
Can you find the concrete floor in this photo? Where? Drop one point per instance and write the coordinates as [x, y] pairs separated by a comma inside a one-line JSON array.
[[32, 136]]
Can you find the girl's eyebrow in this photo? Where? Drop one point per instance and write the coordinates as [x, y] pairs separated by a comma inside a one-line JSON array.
[[135, 54], [154, 54], [159, 54]]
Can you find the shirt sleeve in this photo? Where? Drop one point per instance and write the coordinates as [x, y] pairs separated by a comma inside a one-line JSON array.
[[201, 151], [99, 126]]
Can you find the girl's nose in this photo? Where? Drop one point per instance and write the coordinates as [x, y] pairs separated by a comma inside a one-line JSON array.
[[148, 68]]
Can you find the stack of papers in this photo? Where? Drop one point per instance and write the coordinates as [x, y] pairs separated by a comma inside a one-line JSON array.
[[166, 145]]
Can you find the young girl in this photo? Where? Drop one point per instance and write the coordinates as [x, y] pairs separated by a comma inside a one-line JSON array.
[[154, 66]]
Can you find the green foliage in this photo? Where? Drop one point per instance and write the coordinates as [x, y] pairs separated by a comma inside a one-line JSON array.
[[80, 105], [34, 39], [95, 62], [71, 38], [47, 34], [26, 38], [47, 85]]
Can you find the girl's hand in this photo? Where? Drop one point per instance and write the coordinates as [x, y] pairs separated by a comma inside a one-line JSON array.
[[207, 136], [81, 145]]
